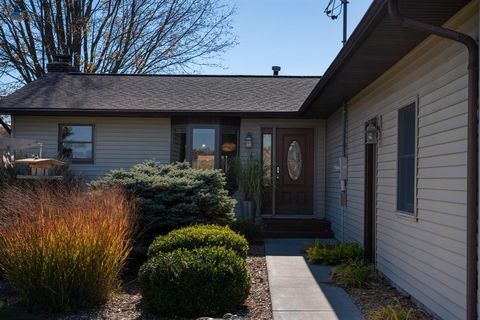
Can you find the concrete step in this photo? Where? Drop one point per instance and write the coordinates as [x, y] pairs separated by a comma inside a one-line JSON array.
[[296, 228], [297, 234]]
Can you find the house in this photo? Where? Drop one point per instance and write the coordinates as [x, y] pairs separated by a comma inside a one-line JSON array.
[[379, 146], [405, 197]]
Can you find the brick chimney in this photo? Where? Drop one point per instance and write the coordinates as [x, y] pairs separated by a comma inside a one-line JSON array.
[[61, 63]]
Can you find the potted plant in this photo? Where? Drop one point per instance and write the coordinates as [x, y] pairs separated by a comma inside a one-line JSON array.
[[249, 175]]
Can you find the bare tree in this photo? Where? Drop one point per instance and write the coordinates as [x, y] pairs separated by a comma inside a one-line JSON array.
[[114, 36]]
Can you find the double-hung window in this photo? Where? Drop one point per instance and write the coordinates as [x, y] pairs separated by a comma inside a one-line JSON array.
[[406, 172], [76, 142]]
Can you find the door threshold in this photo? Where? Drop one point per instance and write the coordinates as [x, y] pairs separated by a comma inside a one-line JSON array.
[[292, 216]]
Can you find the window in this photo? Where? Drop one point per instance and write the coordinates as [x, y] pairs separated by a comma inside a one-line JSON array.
[[203, 148], [76, 143], [406, 159], [179, 144], [228, 154], [267, 138], [228, 148]]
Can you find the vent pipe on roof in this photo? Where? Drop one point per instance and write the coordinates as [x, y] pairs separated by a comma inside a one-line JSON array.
[[276, 70], [472, 145]]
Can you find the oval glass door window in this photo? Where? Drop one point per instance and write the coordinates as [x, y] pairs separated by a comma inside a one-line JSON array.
[[294, 160]]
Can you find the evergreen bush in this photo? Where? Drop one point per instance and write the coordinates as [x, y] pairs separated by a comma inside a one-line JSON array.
[[173, 196], [200, 236], [189, 283]]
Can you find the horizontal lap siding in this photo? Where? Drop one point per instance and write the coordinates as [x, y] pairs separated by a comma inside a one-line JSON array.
[[424, 258], [254, 127], [333, 209], [119, 142]]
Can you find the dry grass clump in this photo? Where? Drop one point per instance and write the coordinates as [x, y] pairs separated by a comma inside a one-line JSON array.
[[60, 249], [397, 312], [354, 273]]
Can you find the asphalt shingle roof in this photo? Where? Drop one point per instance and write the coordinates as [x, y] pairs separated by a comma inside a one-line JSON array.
[[160, 93]]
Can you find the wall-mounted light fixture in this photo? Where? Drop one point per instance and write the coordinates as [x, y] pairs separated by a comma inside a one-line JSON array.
[[372, 131], [248, 141]]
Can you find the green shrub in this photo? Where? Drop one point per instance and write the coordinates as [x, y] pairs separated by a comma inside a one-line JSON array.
[[63, 250], [173, 196], [353, 273], [333, 254], [198, 237], [248, 229], [397, 312], [194, 282]]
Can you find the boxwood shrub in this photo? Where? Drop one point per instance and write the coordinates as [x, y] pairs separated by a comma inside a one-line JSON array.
[[200, 236], [172, 196], [194, 282]]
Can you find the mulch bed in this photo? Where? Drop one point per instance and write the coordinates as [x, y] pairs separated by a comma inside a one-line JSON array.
[[378, 293], [258, 304], [126, 304]]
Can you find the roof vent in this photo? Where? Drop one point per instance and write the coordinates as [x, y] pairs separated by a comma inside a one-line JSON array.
[[61, 63], [276, 70]]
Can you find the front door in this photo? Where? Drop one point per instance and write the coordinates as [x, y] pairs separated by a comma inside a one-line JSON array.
[[294, 171]]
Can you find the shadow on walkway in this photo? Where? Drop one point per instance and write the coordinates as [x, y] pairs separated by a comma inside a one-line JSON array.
[[303, 291]]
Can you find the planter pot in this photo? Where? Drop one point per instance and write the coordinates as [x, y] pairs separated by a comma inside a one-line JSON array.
[[248, 210]]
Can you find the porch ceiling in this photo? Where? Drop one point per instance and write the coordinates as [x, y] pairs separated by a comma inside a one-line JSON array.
[[376, 45]]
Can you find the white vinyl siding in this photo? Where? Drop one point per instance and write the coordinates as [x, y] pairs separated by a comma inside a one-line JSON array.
[[254, 126], [120, 142], [425, 258], [343, 227]]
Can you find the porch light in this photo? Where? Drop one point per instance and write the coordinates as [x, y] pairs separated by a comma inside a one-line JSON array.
[[248, 141], [371, 134]]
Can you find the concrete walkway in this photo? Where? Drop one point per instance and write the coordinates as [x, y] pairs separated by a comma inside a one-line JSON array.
[[301, 291]]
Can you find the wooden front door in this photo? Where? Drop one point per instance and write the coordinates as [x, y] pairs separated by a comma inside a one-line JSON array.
[[294, 171]]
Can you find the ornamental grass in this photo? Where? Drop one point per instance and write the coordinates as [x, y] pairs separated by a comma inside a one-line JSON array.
[[64, 249]]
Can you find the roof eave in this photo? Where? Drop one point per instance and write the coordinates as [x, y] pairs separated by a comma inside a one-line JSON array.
[[145, 113], [374, 13]]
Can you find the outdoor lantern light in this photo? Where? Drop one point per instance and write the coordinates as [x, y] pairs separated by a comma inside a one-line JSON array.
[[248, 141], [371, 134]]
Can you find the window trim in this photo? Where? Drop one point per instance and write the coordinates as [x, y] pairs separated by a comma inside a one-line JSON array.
[[219, 129], [60, 141], [412, 216]]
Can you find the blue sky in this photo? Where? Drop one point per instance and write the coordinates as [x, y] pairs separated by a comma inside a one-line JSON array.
[[294, 34]]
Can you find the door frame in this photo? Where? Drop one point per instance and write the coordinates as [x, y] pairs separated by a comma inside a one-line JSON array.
[[370, 192], [273, 131]]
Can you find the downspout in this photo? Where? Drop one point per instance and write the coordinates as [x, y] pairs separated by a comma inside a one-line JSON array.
[[472, 147]]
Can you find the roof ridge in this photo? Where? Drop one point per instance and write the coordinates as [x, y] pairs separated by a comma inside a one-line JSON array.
[[192, 75]]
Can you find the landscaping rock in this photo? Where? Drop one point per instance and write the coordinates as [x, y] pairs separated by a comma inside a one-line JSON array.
[[226, 316], [379, 293]]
